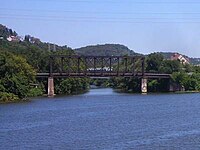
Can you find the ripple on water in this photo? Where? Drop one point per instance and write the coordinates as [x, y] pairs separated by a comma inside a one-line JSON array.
[[103, 119]]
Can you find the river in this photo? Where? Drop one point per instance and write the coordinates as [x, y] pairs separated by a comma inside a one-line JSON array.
[[102, 119]]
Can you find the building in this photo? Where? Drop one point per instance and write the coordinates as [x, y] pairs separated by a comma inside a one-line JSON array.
[[34, 40], [184, 60], [13, 38]]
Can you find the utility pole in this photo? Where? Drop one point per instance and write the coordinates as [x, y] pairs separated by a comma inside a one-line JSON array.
[[49, 46], [54, 47], [1, 40]]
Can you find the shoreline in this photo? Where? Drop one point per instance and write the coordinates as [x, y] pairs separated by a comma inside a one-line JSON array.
[[29, 99]]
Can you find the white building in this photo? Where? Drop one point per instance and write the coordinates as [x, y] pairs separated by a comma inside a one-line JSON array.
[[180, 58]]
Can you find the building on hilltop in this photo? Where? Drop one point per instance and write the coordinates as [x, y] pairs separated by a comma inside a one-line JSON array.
[[34, 40], [14, 38], [181, 58]]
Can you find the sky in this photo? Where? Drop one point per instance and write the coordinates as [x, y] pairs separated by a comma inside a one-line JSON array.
[[144, 26]]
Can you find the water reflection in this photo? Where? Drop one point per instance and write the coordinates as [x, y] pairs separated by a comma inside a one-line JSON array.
[[101, 91]]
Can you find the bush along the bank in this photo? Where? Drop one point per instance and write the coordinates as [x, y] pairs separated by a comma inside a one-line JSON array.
[[126, 84], [191, 82], [15, 77], [71, 85], [8, 97], [36, 91], [101, 83]]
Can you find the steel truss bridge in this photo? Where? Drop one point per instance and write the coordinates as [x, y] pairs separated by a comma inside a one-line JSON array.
[[65, 66], [62, 66]]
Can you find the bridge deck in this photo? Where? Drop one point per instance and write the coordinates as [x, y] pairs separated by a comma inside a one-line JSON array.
[[106, 74]]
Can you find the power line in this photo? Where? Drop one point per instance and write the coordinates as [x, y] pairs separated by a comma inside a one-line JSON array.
[[100, 12], [124, 1], [100, 18], [100, 21]]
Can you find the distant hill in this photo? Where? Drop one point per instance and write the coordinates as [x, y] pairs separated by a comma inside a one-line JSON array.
[[24, 46], [105, 50], [121, 50], [195, 61]]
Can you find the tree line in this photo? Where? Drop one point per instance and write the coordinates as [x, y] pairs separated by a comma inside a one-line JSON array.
[[19, 62]]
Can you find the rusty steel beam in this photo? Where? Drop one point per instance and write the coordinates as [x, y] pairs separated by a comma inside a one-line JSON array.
[[50, 67], [117, 66], [133, 66], [105, 74], [78, 64], [76, 56], [111, 64], [143, 67]]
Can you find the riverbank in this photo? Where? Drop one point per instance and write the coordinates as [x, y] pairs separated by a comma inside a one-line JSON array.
[[186, 92], [16, 101], [177, 92], [93, 88]]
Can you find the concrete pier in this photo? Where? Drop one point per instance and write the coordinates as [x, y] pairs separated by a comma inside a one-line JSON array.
[[171, 86], [50, 87], [144, 85]]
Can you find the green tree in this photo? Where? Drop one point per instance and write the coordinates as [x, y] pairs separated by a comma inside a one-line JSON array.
[[71, 85], [16, 75], [170, 66], [153, 62], [179, 77]]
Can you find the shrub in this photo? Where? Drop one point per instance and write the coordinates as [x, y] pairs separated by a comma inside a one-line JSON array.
[[35, 92], [8, 97]]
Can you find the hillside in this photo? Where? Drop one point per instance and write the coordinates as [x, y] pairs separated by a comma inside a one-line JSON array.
[[194, 61], [32, 49], [5, 32], [105, 50], [27, 40]]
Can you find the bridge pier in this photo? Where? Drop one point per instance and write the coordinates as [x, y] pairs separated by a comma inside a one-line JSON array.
[[144, 85], [50, 87], [174, 87], [171, 86]]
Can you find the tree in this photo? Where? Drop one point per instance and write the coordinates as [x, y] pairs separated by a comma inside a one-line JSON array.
[[179, 77], [170, 66], [154, 62], [188, 68], [71, 85], [27, 38], [16, 75]]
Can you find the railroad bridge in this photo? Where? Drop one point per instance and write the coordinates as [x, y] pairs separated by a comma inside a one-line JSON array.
[[65, 66]]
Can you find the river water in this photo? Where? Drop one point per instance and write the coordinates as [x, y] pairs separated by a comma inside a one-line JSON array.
[[102, 119]]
